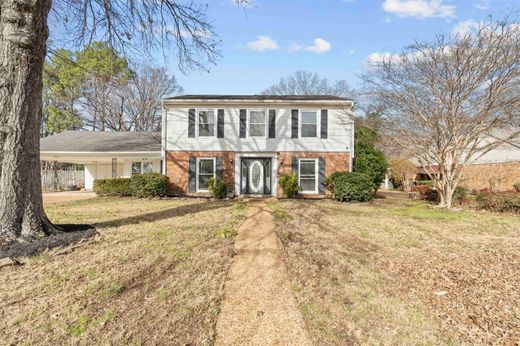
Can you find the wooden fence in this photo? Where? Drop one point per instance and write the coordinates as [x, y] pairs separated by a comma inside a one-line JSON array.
[[59, 180]]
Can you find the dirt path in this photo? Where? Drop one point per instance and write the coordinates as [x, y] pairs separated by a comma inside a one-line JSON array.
[[259, 307]]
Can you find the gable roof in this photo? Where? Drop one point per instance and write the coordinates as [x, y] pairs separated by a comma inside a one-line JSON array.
[[261, 97], [101, 141]]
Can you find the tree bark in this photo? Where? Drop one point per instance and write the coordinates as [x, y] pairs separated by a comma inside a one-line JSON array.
[[23, 37]]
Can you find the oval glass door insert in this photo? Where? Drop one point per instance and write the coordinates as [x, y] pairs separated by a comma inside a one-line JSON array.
[[256, 177]]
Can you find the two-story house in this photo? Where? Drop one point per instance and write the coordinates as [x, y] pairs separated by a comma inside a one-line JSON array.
[[250, 141]]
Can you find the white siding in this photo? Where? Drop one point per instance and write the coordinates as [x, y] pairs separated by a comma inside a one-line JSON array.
[[340, 128]]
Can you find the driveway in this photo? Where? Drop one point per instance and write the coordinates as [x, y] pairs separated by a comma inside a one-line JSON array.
[[66, 196]]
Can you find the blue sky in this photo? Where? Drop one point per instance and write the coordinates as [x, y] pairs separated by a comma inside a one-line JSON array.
[[274, 38]]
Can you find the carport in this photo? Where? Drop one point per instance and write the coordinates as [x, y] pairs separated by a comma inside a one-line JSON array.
[[105, 154]]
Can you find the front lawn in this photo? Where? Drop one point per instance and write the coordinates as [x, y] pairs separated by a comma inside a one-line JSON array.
[[154, 275], [396, 271]]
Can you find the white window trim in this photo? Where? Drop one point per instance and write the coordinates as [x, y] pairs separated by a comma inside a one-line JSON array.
[[215, 112], [316, 175], [318, 122], [266, 114], [197, 171]]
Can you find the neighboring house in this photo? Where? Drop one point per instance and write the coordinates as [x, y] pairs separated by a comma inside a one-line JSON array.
[[105, 154], [250, 141], [497, 170]]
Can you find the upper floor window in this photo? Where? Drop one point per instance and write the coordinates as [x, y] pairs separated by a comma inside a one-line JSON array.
[[257, 124], [309, 124], [206, 123]]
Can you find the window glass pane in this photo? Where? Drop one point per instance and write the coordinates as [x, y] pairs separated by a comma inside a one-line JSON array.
[[206, 117], [257, 117], [206, 123], [206, 130], [256, 130], [206, 166], [147, 167], [307, 167], [136, 167], [204, 182], [308, 184], [309, 130], [309, 117]]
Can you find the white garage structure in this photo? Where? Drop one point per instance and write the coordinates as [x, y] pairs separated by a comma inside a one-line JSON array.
[[105, 154]]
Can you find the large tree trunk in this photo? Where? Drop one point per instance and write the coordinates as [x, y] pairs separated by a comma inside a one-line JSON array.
[[23, 36]]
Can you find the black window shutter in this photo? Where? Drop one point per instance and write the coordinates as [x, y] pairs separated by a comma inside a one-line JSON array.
[[192, 175], [243, 123], [324, 123], [218, 167], [220, 124], [294, 124], [295, 165], [321, 172], [191, 123], [272, 123]]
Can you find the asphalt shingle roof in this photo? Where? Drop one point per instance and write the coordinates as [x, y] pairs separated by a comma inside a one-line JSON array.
[[261, 97], [101, 141]]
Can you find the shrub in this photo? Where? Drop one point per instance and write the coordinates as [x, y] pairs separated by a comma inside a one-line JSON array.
[[113, 187], [217, 188], [517, 187], [373, 164], [426, 193], [499, 202], [351, 186], [289, 184], [149, 185], [461, 194]]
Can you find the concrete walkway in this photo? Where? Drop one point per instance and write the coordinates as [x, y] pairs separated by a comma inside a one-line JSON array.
[[66, 196], [259, 307]]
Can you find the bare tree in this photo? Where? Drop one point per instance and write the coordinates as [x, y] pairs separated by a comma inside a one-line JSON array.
[[141, 25], [143, 96], [308, 83], [443, 100]]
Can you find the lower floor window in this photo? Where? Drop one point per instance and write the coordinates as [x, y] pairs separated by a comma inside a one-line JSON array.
[[205, 171], [308, 175], [141, 167]]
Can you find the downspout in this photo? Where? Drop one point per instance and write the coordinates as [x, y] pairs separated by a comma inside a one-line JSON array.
[[352, 146], [164, 135]]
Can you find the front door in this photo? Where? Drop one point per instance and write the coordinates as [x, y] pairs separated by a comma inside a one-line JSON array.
[[255, 176]]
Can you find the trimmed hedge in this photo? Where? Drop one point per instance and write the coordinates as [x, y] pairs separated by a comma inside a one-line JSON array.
[[113, 187], [351, 186], [139, 185], [149, 185], [499, 202]]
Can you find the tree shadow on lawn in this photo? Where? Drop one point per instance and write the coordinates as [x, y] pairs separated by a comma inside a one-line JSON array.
[[164, 214], [75, 233]]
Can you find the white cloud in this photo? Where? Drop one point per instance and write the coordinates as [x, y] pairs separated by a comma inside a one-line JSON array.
[[483, 6], [351, 51], [465, 27], [320, 46], [419, 8], [262, 43], [378, 58]]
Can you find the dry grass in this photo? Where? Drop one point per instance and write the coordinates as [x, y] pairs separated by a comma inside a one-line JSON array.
[[398, 272], [155, 275]]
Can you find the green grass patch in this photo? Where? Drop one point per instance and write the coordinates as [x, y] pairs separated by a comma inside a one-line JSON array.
[[278, 212]]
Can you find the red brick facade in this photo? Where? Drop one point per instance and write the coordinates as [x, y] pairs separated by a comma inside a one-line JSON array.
[[177, 166]]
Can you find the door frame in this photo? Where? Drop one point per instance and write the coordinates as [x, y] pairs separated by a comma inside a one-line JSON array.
[[253, 155], [264, 159]]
